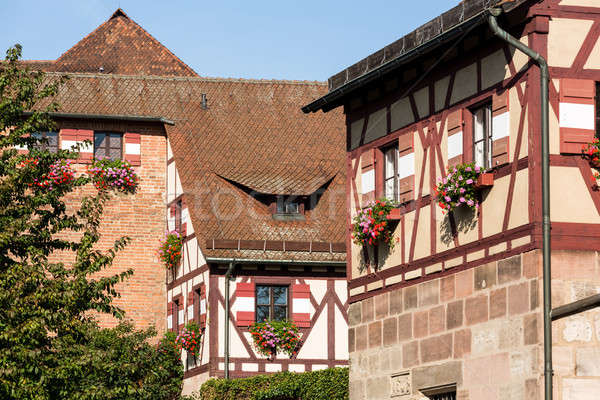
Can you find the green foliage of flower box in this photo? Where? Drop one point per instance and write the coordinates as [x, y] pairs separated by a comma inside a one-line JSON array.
[[327, 384]]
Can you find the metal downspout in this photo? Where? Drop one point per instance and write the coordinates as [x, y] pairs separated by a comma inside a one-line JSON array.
[[226, 339], [502, 34]]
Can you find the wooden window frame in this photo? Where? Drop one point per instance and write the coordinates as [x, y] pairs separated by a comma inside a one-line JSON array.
[[175, 314], [597, 101], [41, 146], [488, 139], [383, 150], [108, 145], [178, 216], [271, 302]]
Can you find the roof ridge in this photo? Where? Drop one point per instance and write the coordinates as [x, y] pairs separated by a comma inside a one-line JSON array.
[[154, 39], [120, 13], [188, 78]]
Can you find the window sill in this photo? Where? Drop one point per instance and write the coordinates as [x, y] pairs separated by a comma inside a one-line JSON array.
[[289, 217]]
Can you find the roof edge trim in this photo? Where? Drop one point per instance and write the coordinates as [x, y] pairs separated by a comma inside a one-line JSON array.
[[116, 117], [326, 101]]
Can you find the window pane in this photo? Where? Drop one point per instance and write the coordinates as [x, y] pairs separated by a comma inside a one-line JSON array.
[[479, 124], [263, 295], [280, 313], [389, 162], [389, 189], [479, 154], [262, 313], [52, 141], [280, 295], [115, 154], [291, 208], [100, 145]]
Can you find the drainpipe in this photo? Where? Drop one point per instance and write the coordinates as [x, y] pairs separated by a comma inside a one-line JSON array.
[[226, 341], [541, 62]]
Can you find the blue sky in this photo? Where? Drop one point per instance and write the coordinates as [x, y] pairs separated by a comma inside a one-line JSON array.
[[285, 39]]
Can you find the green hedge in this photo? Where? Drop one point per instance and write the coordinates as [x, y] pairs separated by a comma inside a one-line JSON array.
[[328, 384]]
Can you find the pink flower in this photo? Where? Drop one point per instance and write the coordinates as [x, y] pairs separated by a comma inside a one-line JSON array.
[[469, 181], [462, 200], [470, 203]]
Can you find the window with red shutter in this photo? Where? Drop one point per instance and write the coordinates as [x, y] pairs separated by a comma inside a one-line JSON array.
[[577, 114]]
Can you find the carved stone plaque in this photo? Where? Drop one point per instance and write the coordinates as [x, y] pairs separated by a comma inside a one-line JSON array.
[[401, 385]]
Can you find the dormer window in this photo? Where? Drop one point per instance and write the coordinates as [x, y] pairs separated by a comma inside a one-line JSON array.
[[288, 207]]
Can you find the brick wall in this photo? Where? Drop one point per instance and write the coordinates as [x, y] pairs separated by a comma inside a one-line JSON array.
[[142, 217], [479, 328]]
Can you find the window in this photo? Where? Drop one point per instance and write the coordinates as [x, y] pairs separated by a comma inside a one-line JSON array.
[[390, 173], [447, 392], [108, 145], [482, 136], [597, 101], [197, 297], [288, 205], [178, 208], [48, 141], [175, 314], [271, 303]]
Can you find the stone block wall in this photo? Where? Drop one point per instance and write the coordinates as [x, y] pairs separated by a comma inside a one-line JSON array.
[[480, 329], [576, 340]]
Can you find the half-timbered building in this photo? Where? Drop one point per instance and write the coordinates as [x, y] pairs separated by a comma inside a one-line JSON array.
[[254, 186], [454, 310]]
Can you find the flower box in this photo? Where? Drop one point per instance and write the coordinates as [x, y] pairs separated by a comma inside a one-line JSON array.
[[394, 214], [485, 180]]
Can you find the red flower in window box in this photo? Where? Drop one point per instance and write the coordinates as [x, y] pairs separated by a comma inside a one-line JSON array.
[[114, 174], [460, 187], [170, 249], [371, 225], [394, 214], [272, 337], [591, 152]]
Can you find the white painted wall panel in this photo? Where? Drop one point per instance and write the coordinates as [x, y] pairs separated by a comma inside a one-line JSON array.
[[579, 116], [301, 306], [368, 181], [406, 165], [501, 126], [455, 145], [132, 148]]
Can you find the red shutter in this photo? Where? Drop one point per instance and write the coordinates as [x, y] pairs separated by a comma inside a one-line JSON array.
[[170, 319], [191, 306], [367, 162], [455, 138], [500, 129], [577, 114], [301, 305], [406, 167], [86, 152], [245, 301], [202, 306], [133, 148]]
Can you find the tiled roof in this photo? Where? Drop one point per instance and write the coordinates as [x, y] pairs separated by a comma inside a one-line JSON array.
[[464, 11], [120, 46], [252, 136]]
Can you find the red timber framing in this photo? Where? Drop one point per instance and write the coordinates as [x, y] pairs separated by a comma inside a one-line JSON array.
[[300, 280], [429, 131]]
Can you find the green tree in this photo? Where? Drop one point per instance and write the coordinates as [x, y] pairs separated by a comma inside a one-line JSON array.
[[50, 345]]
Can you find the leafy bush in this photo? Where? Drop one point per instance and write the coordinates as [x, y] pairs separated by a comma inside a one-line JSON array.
[[328, 384]]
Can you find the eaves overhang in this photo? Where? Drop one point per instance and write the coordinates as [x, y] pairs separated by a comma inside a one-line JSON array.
[[338, 94], [112, 117]]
